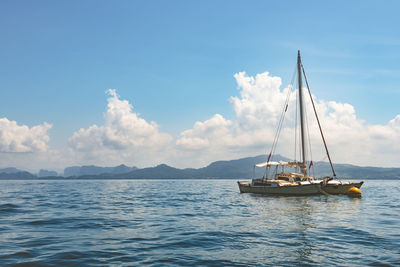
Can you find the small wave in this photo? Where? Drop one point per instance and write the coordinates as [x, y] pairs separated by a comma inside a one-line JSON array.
[[171, 224], [8, 207], [84, 258], [21, 255], [46, 222], [193, 261]]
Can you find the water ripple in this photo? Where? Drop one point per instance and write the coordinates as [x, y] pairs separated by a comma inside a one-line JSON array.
[[193, 223], [8, 207]]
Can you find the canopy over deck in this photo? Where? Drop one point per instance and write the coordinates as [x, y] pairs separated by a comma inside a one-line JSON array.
[[293, 164]]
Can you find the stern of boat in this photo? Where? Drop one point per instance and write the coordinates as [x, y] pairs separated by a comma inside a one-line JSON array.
[[341, 189], [244, 186]]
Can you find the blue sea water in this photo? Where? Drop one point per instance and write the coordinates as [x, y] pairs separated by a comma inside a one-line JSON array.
[[193, 223]]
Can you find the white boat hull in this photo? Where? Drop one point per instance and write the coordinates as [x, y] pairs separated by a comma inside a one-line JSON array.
[[316, 188], [286, 190]]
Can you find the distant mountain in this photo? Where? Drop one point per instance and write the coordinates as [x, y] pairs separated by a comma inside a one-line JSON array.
[[46, 173], [244, 169], [216, 170], [14, 173], [352, 171], [96, 170], [238, 168], [162, 171], [9, 170], [17, 175], [229, 169]]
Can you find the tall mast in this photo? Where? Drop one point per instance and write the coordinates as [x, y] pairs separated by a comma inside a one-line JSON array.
[[302, 133]]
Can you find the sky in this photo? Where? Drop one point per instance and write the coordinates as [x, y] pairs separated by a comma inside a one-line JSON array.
[[187, 83]]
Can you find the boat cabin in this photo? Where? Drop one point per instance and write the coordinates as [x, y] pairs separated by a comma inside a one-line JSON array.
[[289, 177]]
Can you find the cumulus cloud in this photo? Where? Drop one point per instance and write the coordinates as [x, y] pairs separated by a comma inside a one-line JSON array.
[[395, 123], [257, 111], [212, 132], [123, 135], [21, 138], [126, 137], [260, 102]]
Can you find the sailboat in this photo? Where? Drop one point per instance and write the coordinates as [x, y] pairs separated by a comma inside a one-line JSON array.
[[297, 180]]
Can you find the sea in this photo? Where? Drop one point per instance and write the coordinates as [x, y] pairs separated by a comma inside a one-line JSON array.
[[193, 223]]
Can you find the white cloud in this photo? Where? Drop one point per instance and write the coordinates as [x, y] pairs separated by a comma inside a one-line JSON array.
[[257, 111], [124, 135], [127, 138], [260, 101], [21, 138], [211, 133], [395, 123]]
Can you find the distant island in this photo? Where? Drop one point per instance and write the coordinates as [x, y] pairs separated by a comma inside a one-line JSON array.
[[229, 169]]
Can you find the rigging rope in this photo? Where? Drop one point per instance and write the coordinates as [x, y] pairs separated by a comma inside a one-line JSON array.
[[281, 119], [309, 143], [319, 124], [280, 123], [295, 130]]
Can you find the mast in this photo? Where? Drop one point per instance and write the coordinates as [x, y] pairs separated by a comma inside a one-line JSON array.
[[302, 132]]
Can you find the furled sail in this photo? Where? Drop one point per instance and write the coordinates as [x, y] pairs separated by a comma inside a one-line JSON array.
[[293, 164], [271, 163]]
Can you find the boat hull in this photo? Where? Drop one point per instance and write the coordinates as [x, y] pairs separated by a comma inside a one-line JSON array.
[[287, 190], [299, 190], [340, 189]]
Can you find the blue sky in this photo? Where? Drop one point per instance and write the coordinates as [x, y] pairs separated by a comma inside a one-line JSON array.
[[175, 61]]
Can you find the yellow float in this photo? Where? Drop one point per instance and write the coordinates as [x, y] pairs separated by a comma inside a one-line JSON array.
[[354, 192]]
